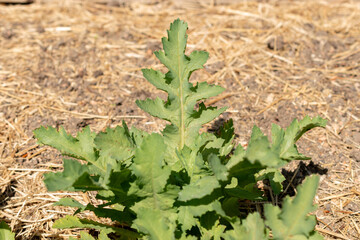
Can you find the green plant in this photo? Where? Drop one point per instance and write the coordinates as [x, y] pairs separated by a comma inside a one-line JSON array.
[[5, 232], [180, 184]]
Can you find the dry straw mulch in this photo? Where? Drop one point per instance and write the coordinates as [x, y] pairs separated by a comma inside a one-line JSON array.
[[77, 63]]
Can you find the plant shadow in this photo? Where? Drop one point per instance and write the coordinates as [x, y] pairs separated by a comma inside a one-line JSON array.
[[7, 193], [297, 176]]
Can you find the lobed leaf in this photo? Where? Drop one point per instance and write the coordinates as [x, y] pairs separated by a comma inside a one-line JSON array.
[[182, 95], [188, 214], [81, 147], [149, 167], [157, 224], [198, 189], [284, 140], [292, 221], [64, 180], [115, 143], [252, 228], [274, 176]]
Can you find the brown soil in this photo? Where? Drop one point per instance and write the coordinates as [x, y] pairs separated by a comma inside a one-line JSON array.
[[78, 63]]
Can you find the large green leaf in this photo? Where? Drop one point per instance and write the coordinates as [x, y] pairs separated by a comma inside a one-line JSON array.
[[292, 221], [149, 165], [182, 95], [252, 228], [157, 224], [81, 147], [152, 174], [198, 189]]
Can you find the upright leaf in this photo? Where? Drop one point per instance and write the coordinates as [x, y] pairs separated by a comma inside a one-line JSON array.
[[182, 95], [292, 221], [283, 141]]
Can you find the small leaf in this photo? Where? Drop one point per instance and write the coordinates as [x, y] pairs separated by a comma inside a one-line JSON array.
[[237, 157], [86, 182], [64, 180], [163, 201], [220, 171], [126, 216], [296, 129], [214, 230], [5, 232], [259, 151], [69, 202], [231, 206], [204, 115], [245, 193], [244, 170], [137, 135], [75, 222], [203, 90], [156, 108], [274, 176], [158, 79], [256, 133]]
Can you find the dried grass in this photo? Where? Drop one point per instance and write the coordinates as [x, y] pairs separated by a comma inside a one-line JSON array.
[[75, 63]]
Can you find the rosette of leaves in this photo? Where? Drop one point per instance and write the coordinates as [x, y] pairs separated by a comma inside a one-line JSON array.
[[180, 184]]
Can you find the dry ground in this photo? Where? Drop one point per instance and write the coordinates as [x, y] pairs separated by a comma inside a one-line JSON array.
[[78, 63]]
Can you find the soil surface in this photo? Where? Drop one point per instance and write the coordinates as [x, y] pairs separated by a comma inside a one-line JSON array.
[[78, 64]]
